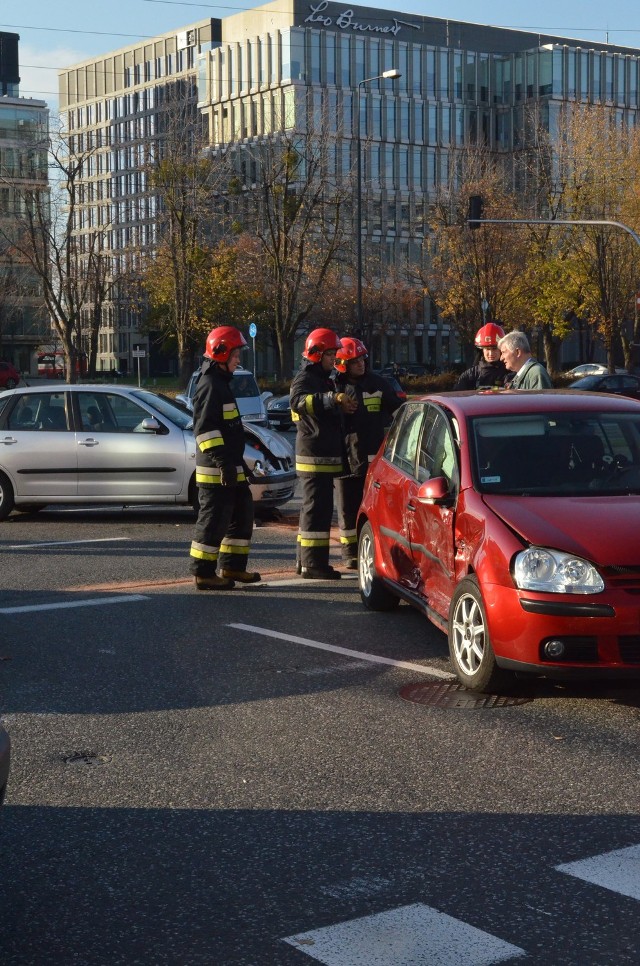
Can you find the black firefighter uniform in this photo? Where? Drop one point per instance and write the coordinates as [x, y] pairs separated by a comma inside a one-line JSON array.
[[319, 460], [363, 432], [224, 527]]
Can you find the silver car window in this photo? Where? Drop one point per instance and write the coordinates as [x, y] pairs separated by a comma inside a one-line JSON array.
[[39, 412]]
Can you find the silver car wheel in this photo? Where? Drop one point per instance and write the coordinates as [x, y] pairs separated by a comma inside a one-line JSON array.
[[468, 634], [365, 564]]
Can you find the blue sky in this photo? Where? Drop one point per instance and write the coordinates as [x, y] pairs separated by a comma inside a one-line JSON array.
[[54, 35]]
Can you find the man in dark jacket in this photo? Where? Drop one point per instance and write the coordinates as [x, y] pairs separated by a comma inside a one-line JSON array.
[[315, 410], [364, 430], [223, 531], [490, 372]]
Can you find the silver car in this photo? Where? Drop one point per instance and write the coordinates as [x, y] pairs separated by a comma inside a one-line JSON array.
[[107, 444]]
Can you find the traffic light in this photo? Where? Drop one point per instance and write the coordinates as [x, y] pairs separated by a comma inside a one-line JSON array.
[[476, 208]]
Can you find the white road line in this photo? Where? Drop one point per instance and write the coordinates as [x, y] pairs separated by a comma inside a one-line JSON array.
[[61, 543], [617, 871], [403, 937], [374, 658], [69, 604]]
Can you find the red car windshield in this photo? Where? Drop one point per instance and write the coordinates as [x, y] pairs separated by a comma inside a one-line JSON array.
[[547, 454]]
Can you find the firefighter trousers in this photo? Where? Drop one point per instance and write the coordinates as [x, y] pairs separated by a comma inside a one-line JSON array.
[[349, 490], [315, 519], [223, 530]]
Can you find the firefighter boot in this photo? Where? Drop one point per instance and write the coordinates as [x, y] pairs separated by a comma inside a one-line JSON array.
[[242, 576], [214, 582]]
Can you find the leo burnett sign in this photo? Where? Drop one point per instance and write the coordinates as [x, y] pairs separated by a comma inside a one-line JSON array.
[[345, 21]]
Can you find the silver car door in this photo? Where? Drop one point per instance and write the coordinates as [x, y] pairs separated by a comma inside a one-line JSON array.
[[118, 459], [38, 450]]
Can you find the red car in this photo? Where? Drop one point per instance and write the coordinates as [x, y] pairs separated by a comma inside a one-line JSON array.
[[512, 521], [9, 376]]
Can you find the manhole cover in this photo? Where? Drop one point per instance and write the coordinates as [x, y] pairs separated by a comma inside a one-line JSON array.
[[85, 758], [450, 694]]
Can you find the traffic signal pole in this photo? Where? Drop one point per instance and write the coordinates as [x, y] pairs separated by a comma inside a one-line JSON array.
[[553, 221]]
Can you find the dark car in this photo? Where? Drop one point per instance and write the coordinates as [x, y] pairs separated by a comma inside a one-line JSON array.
[[9, 376], [619, 385], [5, 755], [279, 412], [511, 521]]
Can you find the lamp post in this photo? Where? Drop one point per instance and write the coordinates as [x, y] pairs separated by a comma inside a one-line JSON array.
[[391, 74]]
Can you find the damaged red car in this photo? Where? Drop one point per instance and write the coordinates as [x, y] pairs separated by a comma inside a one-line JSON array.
[[511, 520]]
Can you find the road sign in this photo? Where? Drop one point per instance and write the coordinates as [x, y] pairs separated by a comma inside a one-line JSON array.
[[139, 353], [253, 330]]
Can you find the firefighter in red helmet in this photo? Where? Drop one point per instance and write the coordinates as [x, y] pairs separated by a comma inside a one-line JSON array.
[[316, 409], [489, 372], [363, 430], [222, 536]]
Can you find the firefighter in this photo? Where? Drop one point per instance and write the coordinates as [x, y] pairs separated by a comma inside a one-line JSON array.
[[364, 430], [223, 531], [489, 372], [316, 409]]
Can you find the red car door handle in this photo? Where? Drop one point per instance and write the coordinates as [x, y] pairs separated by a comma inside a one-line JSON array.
[[411, 508], [376, 484]]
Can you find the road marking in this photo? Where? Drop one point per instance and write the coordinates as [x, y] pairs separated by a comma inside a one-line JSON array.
[[374, 658], [618, 871], [403, 937], [68, 604], [61, 543]]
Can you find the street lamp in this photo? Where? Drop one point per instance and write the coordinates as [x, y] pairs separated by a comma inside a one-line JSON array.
[[391, 74]]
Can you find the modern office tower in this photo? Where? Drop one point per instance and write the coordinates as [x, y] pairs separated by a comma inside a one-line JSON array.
[[256, 71], [23, 134]]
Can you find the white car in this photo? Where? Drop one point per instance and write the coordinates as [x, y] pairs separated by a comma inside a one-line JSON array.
[[251, 402], [110, 444], [590, 369]]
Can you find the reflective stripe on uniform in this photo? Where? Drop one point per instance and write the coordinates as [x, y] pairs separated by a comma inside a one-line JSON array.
[[234, 546], [308, 404], [318, 464], [203, 552], [205, 474], [230, 411], [348, 536], [314, 538], [207, 440], [372, 401], [295, 418]]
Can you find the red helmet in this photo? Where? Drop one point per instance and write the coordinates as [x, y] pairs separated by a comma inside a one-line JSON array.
[[319, 341], [221, 341], [350, 349], [487, 337]]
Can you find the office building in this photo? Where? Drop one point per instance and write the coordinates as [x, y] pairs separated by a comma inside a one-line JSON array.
[[256, 71], [23, 134]]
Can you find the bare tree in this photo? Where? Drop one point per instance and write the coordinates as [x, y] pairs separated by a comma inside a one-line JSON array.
[[45, 235], [186, 180]]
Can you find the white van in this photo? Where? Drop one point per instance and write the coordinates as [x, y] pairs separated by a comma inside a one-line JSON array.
[[244, 387]]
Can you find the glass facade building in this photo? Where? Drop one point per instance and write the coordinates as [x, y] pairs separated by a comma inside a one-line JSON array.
[[278, 66], [23, 163]]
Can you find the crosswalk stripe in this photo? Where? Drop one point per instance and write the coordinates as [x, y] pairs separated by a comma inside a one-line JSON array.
[[403, 937], [618, 871]]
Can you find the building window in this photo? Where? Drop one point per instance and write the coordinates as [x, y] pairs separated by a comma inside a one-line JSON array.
[[330, 53]]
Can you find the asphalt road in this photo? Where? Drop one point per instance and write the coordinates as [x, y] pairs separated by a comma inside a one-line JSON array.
[[236, 780]]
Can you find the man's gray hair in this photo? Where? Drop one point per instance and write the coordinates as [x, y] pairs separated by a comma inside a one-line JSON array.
[[514, 340]]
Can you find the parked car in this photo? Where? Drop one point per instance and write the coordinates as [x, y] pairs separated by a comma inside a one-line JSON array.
[[511, 521], [5, 758], [590, 369], [620, 385], [251, 402], [9, 375], [111, 444], [279, 412]]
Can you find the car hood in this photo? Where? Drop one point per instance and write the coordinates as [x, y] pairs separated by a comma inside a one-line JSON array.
[[602, 529], [279, 446]]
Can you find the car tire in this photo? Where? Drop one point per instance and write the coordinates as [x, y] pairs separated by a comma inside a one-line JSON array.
[[6, 497], [470, 649], [373, 593]]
